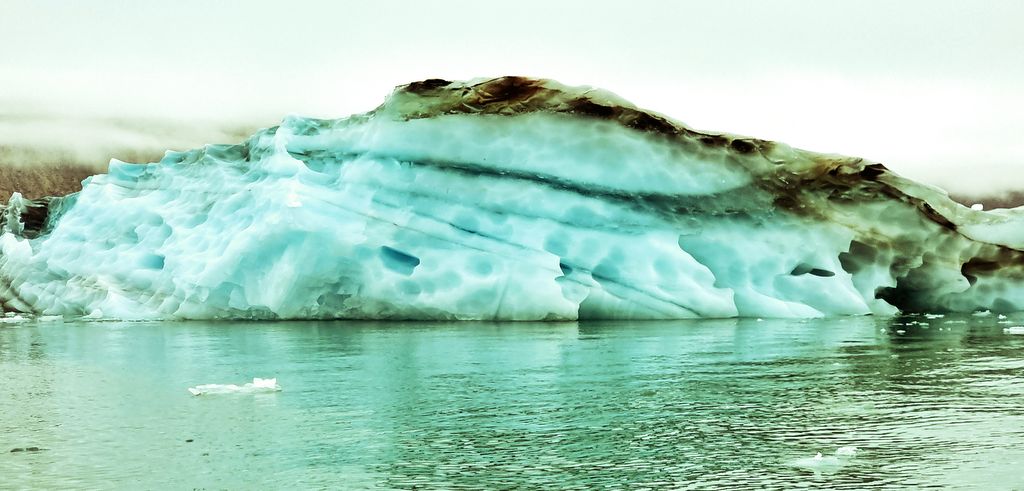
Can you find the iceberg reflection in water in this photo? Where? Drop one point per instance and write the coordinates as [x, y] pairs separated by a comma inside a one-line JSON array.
[[497, 405]]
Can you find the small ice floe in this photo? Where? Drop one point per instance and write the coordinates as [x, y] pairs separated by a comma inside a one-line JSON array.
[[826, 463], [14, 319], [847, 451], [933, 316], [819, 463], [983, 313], [1000, 316], [1013, 330], [257, 385], [978, 207]]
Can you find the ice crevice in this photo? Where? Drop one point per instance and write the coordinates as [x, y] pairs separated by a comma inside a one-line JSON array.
[[541, 202]]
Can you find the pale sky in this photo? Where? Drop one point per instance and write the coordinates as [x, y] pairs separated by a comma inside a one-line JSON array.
[[932, 88]]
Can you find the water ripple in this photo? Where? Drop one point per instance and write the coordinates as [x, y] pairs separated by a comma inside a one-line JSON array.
[[656, 405]]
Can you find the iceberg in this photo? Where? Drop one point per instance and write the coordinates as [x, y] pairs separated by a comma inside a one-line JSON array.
[[506, 199]]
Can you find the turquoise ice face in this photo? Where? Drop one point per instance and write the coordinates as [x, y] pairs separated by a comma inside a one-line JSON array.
[[509, 198]]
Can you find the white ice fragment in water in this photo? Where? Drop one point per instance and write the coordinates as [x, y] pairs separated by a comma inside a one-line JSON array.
[[257, 385], [819, 463], [978, 207], [900, 331], [1000, 316], [265, 383], [1013, 330], [983, 313], [933, 316], [14, 319], [847, 451]]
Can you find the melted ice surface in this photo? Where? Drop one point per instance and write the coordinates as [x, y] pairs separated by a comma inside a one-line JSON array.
[[517, 214]]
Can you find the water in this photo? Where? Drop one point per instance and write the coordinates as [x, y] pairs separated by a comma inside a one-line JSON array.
[[709, 404]]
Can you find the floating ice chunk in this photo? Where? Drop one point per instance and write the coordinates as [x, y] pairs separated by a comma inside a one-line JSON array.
[[14, 319], [983, 313], [978, 207], [265, 383], [827, 463], [1013, 330], [933, 316], [213, 389], [847, 451], [819, 463], [1000, 316], [257, 385]]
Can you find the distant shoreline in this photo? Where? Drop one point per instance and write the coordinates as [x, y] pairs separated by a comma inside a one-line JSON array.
[[37, 181]]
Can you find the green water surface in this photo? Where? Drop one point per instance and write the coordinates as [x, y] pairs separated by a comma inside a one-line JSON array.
[[927, 402]]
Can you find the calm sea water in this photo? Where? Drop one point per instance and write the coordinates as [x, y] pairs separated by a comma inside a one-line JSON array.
[[708, 404]]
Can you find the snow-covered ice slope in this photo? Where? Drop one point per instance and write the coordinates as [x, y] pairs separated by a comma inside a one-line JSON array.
[[509, 198]]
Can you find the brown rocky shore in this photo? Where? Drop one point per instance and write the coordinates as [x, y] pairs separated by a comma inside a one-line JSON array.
[[37, 181]]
